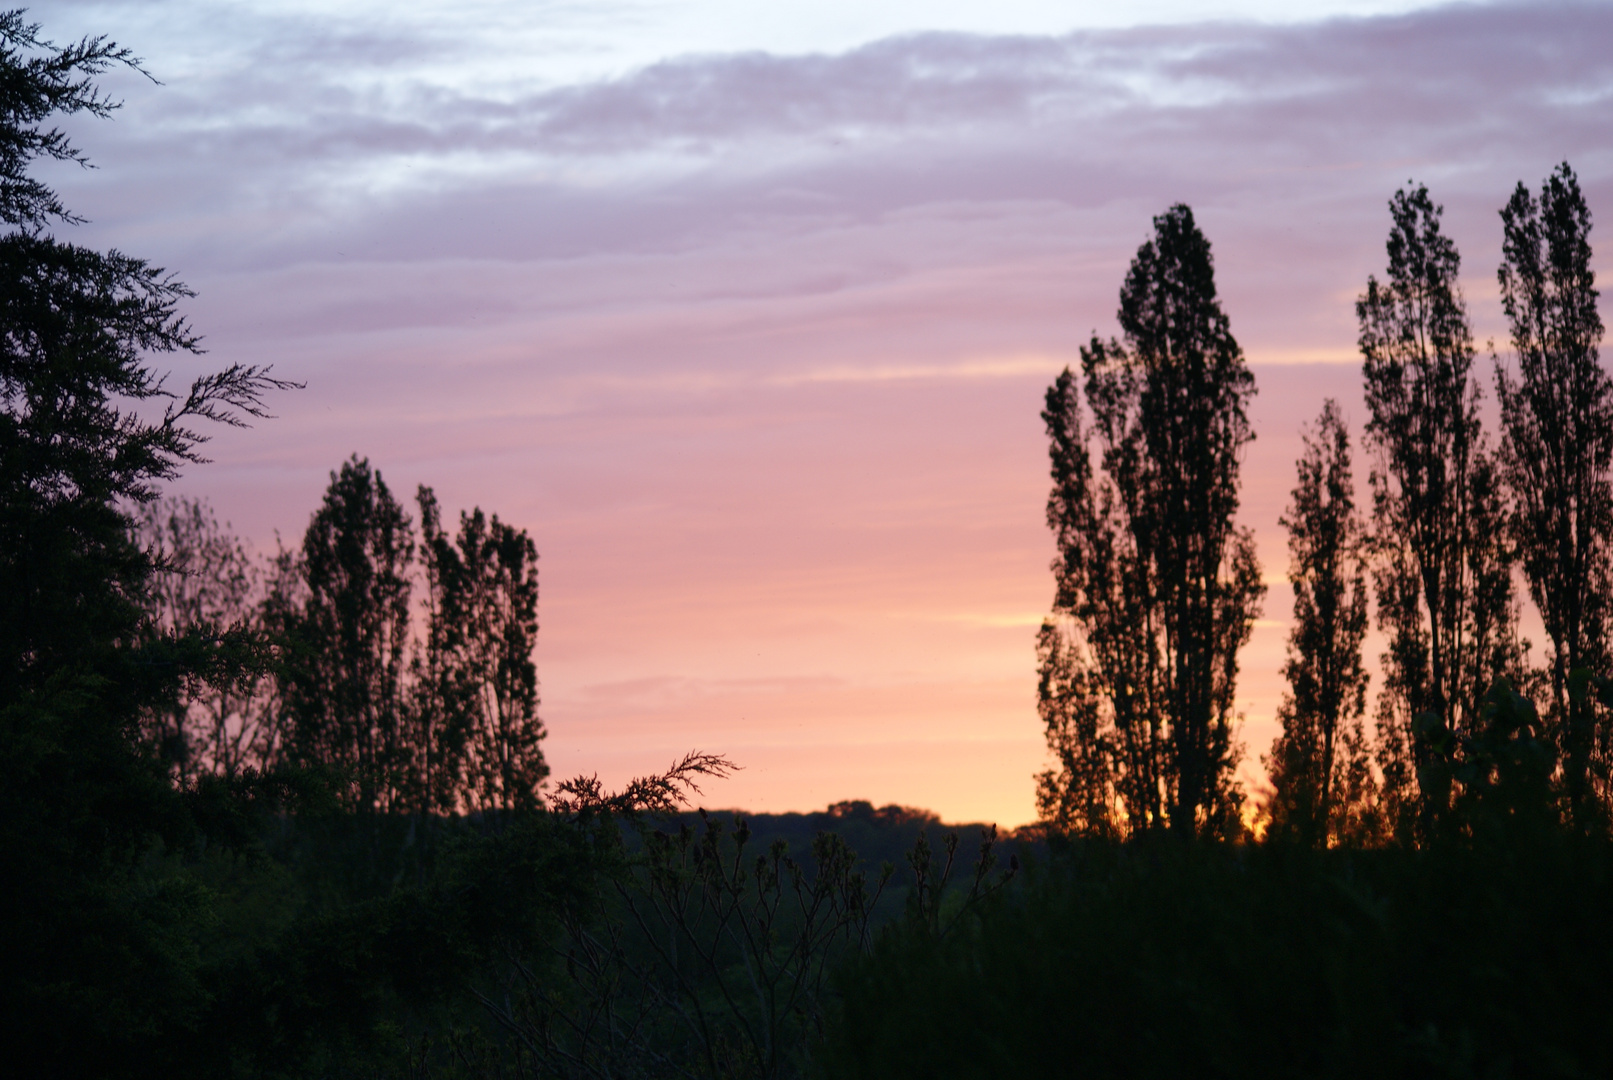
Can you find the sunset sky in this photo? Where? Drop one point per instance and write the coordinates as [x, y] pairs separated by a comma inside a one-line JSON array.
[[745, 310]]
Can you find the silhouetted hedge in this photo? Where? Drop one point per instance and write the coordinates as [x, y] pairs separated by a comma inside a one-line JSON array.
[[1204, 961]]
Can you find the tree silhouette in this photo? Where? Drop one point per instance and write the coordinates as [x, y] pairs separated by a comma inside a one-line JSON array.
[[206, 583], [1443, 568], [477, 683], [1081, 795], [443, 692], [346, 695], [1156, 588], [1320, 766], [96, 937], [1557, 451]]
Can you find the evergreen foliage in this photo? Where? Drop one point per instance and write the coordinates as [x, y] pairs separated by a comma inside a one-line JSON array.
[[98, 945], [39, 81]]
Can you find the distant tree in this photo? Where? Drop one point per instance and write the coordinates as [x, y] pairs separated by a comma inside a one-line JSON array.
[[1557, 454], [1444, 564], [282, 599], [205, 583], [1320, 766], [476, 673], [1156, 588], [345, 692], [444, 691]]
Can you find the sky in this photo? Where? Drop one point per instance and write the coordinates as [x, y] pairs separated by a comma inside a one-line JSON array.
[[745, 311]]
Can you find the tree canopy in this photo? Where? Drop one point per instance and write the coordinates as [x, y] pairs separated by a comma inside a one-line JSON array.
[[1156, 586]]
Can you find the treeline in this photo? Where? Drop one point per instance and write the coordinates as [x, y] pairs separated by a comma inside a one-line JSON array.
[[1157, 587], [428, 708]]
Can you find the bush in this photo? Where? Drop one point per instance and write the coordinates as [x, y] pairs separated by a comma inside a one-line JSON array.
[[1172, 961]]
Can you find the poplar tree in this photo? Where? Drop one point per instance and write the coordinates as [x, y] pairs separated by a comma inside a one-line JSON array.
[[1157, 589], [346, 693], [506, 757], [1092, 640], [476, 677], [1443, 573], [444, 696], [1557, 452], [1320, 766]]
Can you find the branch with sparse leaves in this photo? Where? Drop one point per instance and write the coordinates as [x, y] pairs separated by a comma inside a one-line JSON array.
[[226, 397], [930, 883], [663, 793]]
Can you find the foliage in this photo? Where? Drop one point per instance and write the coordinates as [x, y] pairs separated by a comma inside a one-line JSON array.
[[76, 328], [346, 694], [99, 945], [325, 974], [1168, 960], [38, 81], [701, 959], [476, 702], [1443, 568], [713, 963], [928, 899], [259, 829], [442, 722], [660, 793], [1157, 589], [1320, 766], [1557, 457], [206, 585], [1500, 773]]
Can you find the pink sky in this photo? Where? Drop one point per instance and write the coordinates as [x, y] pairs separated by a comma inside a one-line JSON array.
[[753, 342]]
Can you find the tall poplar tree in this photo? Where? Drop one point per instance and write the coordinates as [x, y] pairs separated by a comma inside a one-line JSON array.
[[1093, 640], [346, 693], [443, 692], [1557, 452], [476, 680], [1443, 571], [1320, 766], [1157, 589]]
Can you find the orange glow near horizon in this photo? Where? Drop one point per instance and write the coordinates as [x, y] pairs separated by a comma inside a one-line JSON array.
[[845, 617]]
